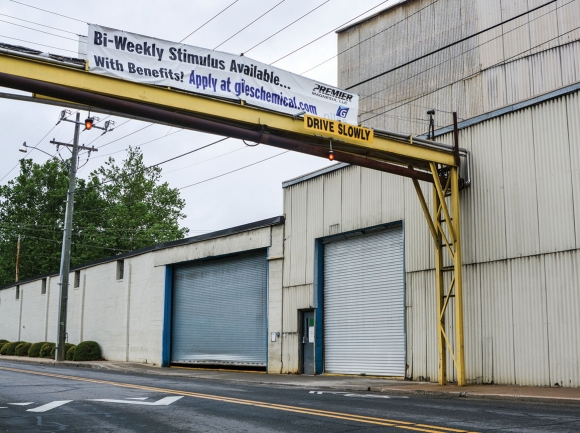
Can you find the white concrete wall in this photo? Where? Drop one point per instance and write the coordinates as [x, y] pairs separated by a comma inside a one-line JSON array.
[[126, 316]]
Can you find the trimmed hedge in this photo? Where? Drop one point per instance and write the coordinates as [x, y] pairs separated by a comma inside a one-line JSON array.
[[67, 346], [22, 349], [4, 348], [46, 349], [87, 351], [3, 342], [70, 354], [11, 348], [34, 350]]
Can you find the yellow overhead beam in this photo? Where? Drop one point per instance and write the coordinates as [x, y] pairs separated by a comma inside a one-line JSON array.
[[215, 109]]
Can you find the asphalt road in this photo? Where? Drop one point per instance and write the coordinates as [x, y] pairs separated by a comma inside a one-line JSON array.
[[53, 399]]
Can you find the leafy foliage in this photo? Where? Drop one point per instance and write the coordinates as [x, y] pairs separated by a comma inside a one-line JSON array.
[[70, 353], [34, 351], [4, 348], [22, 349], [118, 208], [46, 349], [87, 351], [10, 348]]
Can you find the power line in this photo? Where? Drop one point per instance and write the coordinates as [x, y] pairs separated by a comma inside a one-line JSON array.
[[370, 37], [38, 24], [450, 45], [139, 145], [211, 19], [47, 11], [244, 28], [233, 171], [40, 31], [36, 43], [284, 28], [206, 160], [332, 31], [471, 75], [371, 95]]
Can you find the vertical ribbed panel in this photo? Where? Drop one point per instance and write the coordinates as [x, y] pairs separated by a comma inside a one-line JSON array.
[[491, 46], [332, 202], [521, 204], [393, 197], [298, 237], [472, 324], [350, 198], [568, 19], [497, 323], [295, 298], [552, 153], [418, 240], [416, 323], [287, 235], [290, 352], [219, 311], [543, 26], [570, 59], [450, 330], [573, 114], [563, 305], [546, 71], [518, 80], [314, 222], [370, 197], [430, 326], [487, 190], [530, 321], [516, 34], [494, 93]]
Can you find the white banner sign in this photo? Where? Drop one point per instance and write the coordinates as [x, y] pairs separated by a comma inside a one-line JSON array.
[[154, 61]]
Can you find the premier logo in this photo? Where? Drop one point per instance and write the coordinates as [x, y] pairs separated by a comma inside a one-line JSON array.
[[342, 112], [331, 93]]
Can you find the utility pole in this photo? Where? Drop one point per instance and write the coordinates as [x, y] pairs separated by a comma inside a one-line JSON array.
[[61, 333], [18, 259]]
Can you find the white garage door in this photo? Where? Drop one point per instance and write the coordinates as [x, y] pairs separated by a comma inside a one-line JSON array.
[[364, 305]]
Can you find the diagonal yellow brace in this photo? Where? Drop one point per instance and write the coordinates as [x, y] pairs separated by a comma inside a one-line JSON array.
[[447, 298], [448, 344], [444, 237], [441, 195], [425, 209]]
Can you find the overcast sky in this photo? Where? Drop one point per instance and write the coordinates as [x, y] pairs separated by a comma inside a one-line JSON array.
[[245, 196]]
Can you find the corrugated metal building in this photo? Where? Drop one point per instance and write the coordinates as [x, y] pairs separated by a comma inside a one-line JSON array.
[[517, 86]]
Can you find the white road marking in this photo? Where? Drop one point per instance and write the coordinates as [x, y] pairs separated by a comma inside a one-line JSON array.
[[347, 394], [3, 408], [136, 398], [49, 406], [163, 402], [21, 404]]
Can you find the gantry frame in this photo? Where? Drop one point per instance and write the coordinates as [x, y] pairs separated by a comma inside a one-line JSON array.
[[62, 84]]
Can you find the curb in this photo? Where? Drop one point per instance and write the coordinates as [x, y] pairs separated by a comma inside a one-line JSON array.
[[377, 389]]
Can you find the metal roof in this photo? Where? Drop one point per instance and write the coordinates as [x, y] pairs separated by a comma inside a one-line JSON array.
[[180, 242], [370, 17], [313, 174]]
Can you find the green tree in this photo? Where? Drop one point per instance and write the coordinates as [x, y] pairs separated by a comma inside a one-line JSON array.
[[118, 208]]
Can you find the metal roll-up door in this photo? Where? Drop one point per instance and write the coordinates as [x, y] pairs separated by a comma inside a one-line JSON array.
[[364, 305], [219, 311]]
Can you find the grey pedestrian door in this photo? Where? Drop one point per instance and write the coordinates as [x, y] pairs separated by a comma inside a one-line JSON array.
[[364, 305], [307, 340], [219, 311]]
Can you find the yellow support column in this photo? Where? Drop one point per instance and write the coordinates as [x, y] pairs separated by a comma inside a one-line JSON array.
[[459, 334], [439, 289]]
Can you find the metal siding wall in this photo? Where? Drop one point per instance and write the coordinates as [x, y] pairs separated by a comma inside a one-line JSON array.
[[393, 197], [487, 190], [333, 203], [219, 310], [298, 238], [314, 223], [418, 248], [287, 235], [350, 198], [563, 305], [530, 321], [573, 114], [497, 323], [472, 324], [521, 203], [370, 197], [552, 155]]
